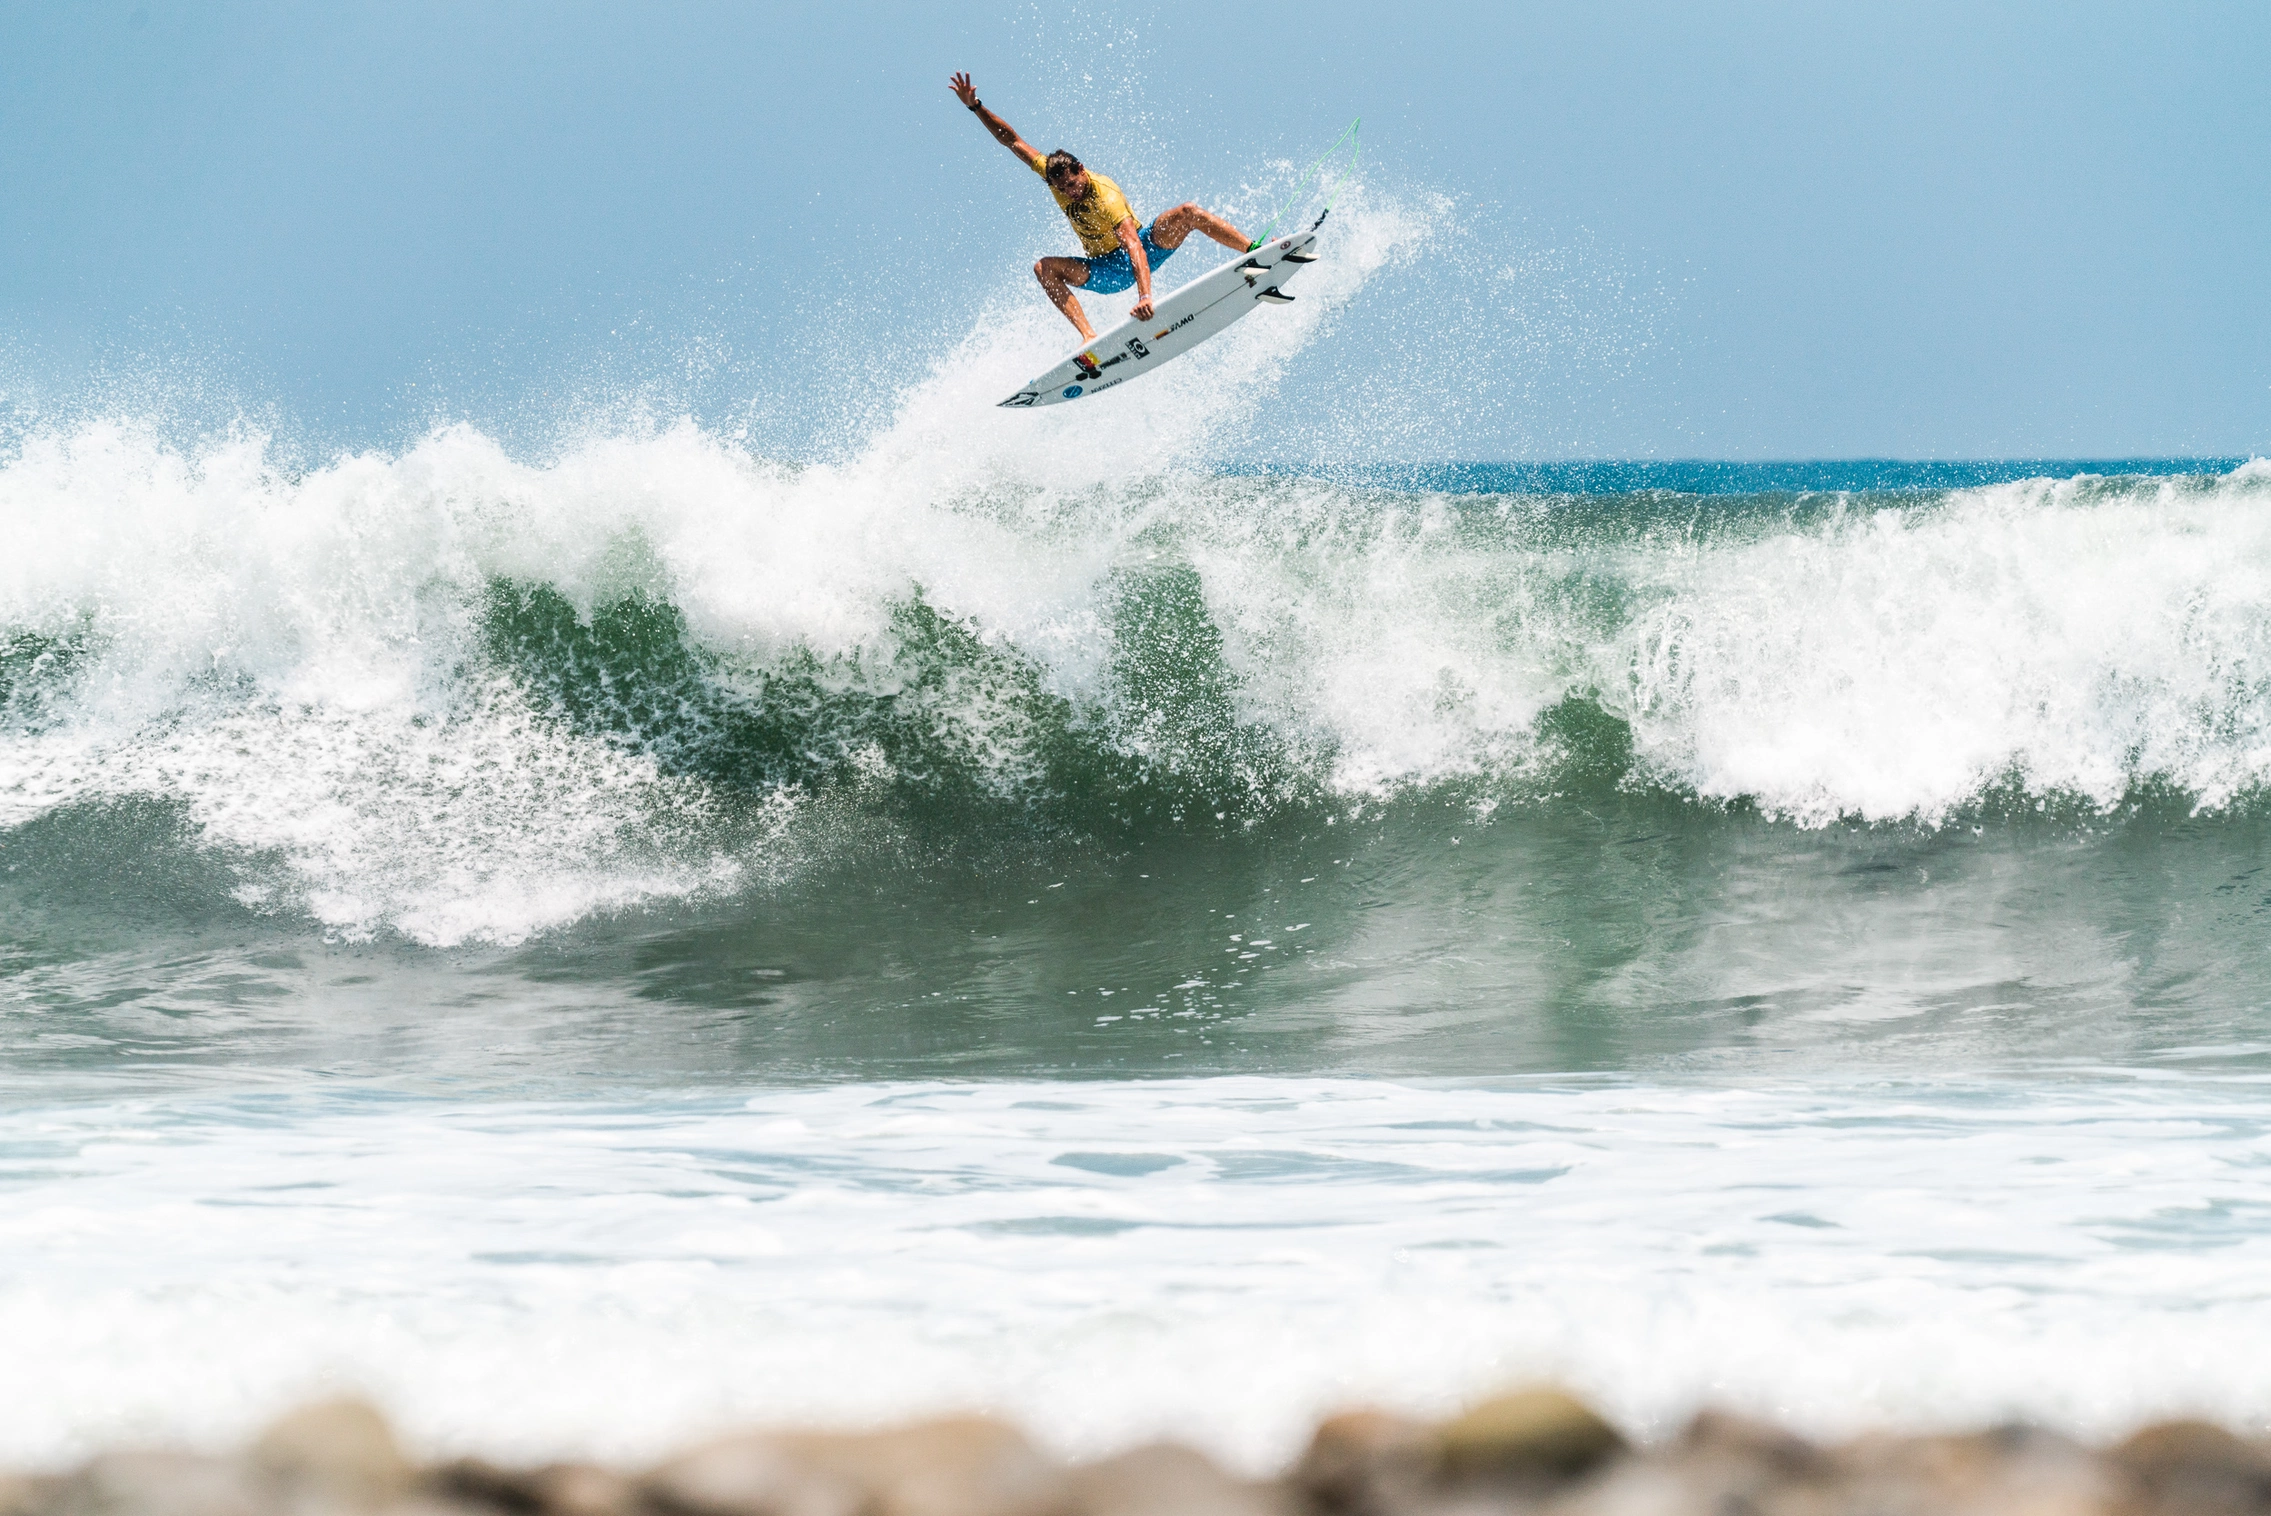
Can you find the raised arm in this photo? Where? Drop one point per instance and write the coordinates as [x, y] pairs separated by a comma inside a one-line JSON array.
[[1002, 131]]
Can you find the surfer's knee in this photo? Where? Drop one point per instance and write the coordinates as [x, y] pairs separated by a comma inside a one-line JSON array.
[[1172, 226], [1042, 272]]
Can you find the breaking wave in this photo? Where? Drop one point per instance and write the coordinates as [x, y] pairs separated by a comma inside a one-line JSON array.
[[456, 694]]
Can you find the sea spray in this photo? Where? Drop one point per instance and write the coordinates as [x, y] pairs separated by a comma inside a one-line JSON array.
[[639, 659]]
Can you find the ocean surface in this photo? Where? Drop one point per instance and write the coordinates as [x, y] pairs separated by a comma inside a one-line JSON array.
[[595, 943]]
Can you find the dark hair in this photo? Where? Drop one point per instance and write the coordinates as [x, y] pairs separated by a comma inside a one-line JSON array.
[[1059, 163]]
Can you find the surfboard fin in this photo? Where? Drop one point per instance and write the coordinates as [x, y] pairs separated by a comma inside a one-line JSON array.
[[1251, 267], [1275, 296], [1299, 258]]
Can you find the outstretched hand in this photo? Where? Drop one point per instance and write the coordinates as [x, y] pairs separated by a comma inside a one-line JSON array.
[[964, 90]]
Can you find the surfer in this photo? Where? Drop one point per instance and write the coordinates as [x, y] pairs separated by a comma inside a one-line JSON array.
[[1119, 253]]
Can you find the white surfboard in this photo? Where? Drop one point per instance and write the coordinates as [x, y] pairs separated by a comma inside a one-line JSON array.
[[1179, 323]]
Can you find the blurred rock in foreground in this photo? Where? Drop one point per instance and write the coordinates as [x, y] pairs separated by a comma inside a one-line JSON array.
[[1535, 1450]]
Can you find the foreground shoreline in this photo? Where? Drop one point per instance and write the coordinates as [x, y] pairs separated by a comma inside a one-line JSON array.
[[1536, 1449]]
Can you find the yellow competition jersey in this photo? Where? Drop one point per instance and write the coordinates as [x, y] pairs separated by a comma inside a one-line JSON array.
[[1096, 216]]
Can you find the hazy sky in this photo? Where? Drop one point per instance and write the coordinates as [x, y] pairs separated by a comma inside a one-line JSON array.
[[1669, 229]]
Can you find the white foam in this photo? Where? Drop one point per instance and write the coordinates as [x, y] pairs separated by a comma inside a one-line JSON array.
[[608, 1280], [292, 660], [1892, 663]]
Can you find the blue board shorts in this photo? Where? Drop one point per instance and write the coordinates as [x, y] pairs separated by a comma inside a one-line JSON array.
[[1115, 271]]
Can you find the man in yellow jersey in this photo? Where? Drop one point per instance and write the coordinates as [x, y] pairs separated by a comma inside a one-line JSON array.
[[1119, 254]]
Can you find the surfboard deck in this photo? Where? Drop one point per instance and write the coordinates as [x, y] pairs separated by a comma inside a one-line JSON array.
[[1179, 323]]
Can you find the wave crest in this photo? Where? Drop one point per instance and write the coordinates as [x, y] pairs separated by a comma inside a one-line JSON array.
[[458, 696]]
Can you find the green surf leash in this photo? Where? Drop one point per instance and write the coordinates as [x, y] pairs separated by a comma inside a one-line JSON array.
[[1355, 149]]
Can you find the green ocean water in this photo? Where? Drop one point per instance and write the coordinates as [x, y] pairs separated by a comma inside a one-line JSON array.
[[1240, 774]]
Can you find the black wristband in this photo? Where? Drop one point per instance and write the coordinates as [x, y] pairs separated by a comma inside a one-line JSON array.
[[977, 105]]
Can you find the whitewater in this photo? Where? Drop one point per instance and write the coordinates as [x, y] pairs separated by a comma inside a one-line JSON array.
[[369, 683], [1045, 913]]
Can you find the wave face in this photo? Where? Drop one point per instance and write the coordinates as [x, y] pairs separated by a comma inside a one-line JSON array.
[[458, 696]]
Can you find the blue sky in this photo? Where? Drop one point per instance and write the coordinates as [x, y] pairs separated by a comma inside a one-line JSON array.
[[1752, 231]]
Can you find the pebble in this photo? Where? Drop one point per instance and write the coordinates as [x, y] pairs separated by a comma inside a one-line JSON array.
[[1167, 1479], [1541, 1434], [960, 1466], [332, 1456]]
